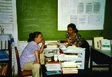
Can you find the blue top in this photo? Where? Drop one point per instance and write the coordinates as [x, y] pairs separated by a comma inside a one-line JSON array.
[[28, 53]]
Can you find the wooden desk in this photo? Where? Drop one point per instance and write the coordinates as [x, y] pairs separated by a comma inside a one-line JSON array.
[[81, 73], [101, 57]]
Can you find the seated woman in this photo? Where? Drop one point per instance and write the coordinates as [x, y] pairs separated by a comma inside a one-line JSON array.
[[30, 57], [74, 38]]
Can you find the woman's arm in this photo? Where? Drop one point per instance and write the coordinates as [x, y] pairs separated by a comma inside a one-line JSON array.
[[68, 41], [37, 55], [42, 46]]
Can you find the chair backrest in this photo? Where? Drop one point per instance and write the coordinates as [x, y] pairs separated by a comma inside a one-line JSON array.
[[87, 53], [18, 62]]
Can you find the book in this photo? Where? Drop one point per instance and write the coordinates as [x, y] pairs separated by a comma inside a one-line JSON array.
[[3, 56], [3, 69], [106, 44], [71, 64], [53, 72], [53, 67], [97, 41], [69, 70], [3, 44]]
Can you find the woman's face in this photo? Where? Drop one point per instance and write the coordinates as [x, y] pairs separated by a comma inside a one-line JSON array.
[[39, 38], [70, 30]]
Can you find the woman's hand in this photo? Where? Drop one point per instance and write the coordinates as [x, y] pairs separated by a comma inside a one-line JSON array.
[[75, 43], [37, 62], [43, 42], [42, 46], [68, 41]]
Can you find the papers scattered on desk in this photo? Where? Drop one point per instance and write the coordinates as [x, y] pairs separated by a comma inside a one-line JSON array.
[[50, 49], [53, 67], [73, 49], [52, 45]]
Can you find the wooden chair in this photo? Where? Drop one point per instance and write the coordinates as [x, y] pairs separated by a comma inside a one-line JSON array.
[[24, 72]]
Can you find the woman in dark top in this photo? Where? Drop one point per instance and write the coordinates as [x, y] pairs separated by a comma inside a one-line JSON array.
[[74, 38]]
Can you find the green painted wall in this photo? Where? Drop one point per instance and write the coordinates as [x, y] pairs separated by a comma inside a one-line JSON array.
[[41, 15]]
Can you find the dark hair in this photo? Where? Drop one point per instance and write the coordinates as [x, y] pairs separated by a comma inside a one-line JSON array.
[[33, 35], [73, 26]]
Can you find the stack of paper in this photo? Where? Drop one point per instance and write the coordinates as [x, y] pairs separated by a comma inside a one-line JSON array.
[[73, 49], [69, 64], [53, 67], [52, 45], [69, 70], [71, 57]]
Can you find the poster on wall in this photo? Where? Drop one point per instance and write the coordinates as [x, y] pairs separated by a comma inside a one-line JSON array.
[[85, 14], [7, 18]]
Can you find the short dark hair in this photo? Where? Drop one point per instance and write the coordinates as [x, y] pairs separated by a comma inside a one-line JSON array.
[[33, 35], [73, 26]]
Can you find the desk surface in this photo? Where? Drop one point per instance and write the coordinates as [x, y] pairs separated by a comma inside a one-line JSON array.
[[103, 58], [106, 52]]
